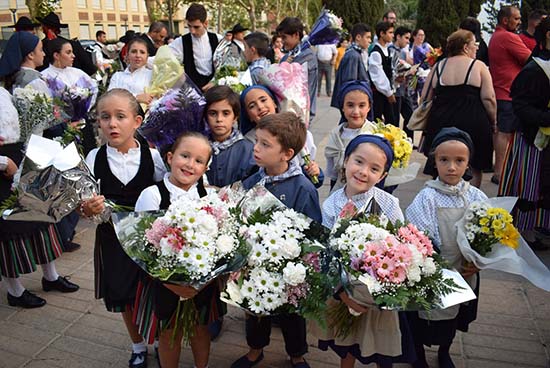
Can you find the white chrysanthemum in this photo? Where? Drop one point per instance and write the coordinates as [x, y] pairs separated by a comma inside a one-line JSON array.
[[413, 273], [416, 256], [248, 290], [294, 273], [290, 248], [429, 266], [470, 236], [225, 244]]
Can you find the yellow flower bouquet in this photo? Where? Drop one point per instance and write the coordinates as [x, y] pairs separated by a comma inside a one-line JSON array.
[[487, 238], [401, 144], [487, 226]]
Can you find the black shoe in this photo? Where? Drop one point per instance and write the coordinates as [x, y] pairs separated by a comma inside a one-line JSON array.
[[138, 360], [243, 361], [61, 284], [215, 328], [26, 300], [444, 359], [157, 355], [495, 180], [70, 246]]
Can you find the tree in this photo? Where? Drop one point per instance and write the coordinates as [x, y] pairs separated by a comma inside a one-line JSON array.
[[357, 11], [492, 8], [527, 6], [41, 8], [436, 26], [168, 8]]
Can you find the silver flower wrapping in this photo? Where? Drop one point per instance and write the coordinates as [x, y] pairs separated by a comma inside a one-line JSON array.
[[50, 188]]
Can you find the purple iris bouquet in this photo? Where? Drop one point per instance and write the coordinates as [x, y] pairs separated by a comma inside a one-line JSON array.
[[326, 30], [179, 110], [78, 99]]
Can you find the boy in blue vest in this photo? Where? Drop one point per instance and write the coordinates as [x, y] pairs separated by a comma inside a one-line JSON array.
[[278, 138]]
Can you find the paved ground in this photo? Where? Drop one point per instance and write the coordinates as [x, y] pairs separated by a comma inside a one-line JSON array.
[[74, 330]]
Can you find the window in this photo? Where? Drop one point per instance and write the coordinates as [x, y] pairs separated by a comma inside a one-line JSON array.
[[111, 32], [109, 4], [136, 29], [84, 30], [81, 3], [134, 5], [122, 5], [96, 4], [21, 4], [4, 4]]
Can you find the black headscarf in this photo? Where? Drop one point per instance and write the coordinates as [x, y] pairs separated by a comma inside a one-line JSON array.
[[18, 47], [453, 134]]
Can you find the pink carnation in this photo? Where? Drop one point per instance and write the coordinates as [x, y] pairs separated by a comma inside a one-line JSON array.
[[295, 293], [175, 239], [348, 211], [411, 234], [313, 260], [156, 232]]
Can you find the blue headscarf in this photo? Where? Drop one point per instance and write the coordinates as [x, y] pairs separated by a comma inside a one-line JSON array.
[[246, 124], [452, 134], [381, 142], [19, 45], [355, 85]]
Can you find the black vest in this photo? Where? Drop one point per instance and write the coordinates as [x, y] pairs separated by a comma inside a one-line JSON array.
[[189, 61], [386, 61], [113, 189], [165, 194]]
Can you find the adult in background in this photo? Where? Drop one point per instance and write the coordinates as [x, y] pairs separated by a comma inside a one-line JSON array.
[[507, 55], [352, 66], [381, 74], [155, 37], [51, 26], [128, 36], [101, 59], [526, 172], [238, 35], [472, 24], [401, 55], [275, 52], [528, 34], [326, 58], [291, 30], [463, 97], [25, 24], [341, 48], [195, 49]]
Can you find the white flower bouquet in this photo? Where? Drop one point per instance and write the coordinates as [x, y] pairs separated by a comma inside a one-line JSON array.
[[283, 274]]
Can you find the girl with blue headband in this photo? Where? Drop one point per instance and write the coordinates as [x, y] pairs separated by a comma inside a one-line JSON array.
[[354, 102], [367, 159], [258, 101]]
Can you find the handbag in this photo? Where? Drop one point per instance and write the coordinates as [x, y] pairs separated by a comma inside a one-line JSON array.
[[419, 117]]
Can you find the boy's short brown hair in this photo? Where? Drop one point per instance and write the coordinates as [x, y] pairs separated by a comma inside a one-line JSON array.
[[287, 127]]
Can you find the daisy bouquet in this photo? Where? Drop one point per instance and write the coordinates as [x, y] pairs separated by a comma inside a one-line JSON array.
[[283, 273], [487, 237], [386, 266], [37, 111], [401, 144], [78, 98]]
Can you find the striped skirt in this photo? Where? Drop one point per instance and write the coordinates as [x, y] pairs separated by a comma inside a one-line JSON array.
[[19, 254], [521, 177]]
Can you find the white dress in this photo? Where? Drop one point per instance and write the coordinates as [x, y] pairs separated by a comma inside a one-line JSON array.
[[70, 76], [134, 82]]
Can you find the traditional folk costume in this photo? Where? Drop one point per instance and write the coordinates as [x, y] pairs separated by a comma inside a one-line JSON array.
[[296, 192], [232, 160], [436, 210], [382, 337], [155, 303], [123, 177]]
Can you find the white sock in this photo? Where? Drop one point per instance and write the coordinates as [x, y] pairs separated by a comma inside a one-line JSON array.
[[140, 347], [156, 344], [14, 286], [49, 271]]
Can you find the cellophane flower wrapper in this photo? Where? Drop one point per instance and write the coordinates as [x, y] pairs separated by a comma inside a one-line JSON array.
[[284, 273], [288, 82], [53, 181], [190, 244], [326, 30], [77, 99], [227, 55], [495, 243], [179, 110], [167, 70], [402, 170], [37, 111], [396, 263]]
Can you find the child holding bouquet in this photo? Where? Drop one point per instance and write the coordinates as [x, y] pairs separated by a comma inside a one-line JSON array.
[[354, 101], [279, 137], [125, 168], [188, 160], [367, 160], [258, 101], [435, 210], [232, 157]]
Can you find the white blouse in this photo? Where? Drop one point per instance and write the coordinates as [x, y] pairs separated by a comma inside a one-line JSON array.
[[150, 198], [125, 166], [135, 81]]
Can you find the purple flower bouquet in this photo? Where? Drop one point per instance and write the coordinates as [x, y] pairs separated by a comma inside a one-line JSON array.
[[179, 110], [326, 30], [78, 99]]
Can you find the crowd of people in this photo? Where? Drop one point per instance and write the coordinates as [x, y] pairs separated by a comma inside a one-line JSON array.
[[483, 96]]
